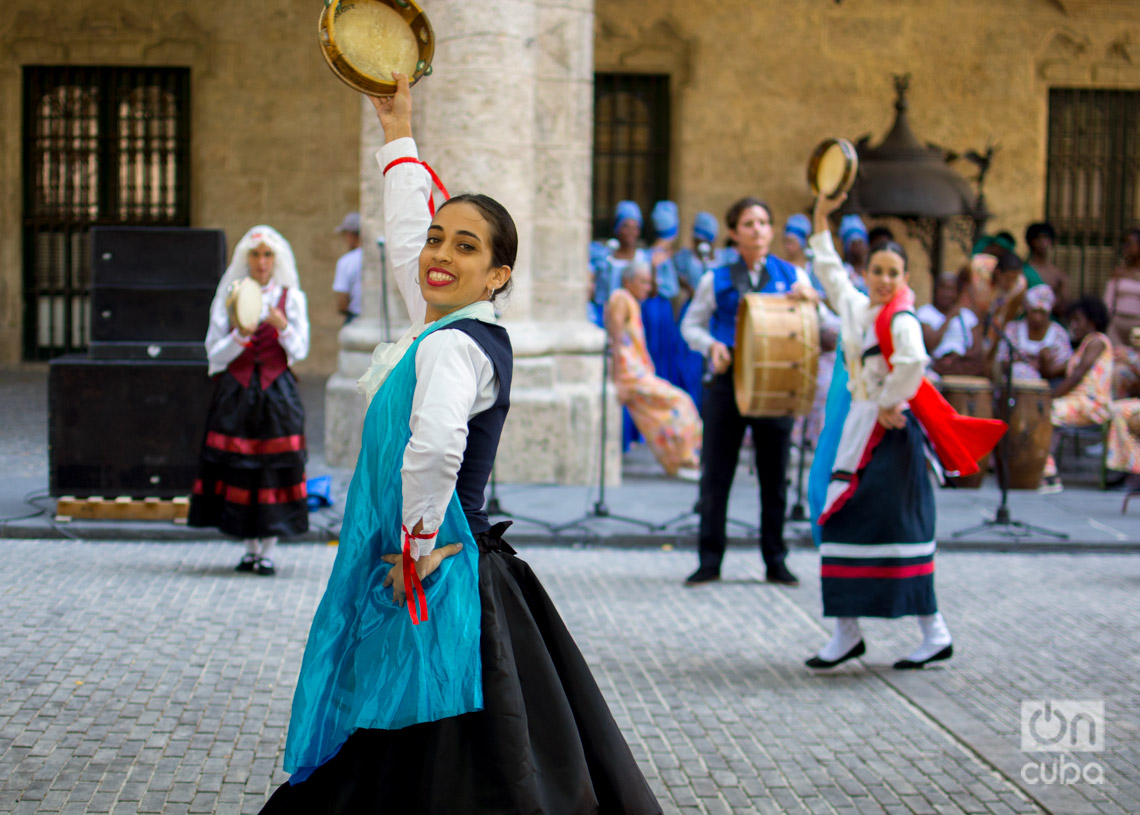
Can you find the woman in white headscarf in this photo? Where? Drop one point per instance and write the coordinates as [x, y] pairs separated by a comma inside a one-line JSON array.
[[251, 481]]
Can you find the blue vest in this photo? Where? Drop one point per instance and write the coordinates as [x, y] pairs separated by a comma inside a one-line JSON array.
[[729, 282], [484, 430]]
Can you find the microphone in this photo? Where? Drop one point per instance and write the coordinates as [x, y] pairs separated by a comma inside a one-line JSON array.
[[613, 244], [380, 241], [704, 250]]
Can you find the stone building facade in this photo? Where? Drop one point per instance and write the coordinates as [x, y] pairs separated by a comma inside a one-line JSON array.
[[752, 87], [274, 137]]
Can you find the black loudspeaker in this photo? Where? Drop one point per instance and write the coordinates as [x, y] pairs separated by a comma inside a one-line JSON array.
[[153, 284], [125, 427]]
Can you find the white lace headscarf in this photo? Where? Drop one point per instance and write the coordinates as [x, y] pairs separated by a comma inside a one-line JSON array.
[[284, 267]]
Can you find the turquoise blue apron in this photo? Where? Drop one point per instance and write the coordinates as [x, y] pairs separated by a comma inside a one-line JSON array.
[[366, 665]]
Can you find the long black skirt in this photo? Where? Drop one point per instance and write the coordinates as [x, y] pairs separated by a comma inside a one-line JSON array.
[[544, 744], [251, 477], [877, 550]]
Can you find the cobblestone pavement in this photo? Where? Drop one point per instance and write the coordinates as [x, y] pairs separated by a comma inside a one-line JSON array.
[[151, 678]]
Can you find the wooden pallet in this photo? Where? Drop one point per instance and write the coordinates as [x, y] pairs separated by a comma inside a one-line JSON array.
[[123, 508]]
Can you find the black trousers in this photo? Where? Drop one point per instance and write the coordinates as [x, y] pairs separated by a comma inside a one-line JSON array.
[[723, 433]]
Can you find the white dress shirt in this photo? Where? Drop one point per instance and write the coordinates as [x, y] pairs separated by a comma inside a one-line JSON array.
[[870, 379], [349, 278], [225, 344], [455, 379]]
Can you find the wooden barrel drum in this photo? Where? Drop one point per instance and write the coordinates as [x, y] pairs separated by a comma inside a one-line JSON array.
[[1030, 432], [776, 356], [970, 396]]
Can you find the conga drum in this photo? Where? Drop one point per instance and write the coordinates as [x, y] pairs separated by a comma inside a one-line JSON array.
[[776, 356], [970, 396], [1030, 432]]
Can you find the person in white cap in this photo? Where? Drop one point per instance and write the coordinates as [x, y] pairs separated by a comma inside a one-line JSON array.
[[348, 283]]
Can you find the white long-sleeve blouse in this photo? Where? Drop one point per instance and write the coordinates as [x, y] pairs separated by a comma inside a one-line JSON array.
[[224, 344], [455, 379], [870, 379]]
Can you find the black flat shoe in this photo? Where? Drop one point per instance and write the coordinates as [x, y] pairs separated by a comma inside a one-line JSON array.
[[819, 663], [702, 576], [782, 574], [914, 665], [246, 564], [264, 567]]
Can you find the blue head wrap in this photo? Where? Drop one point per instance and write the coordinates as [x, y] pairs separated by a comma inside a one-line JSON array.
[[627, 211], [850, 228], [798, 226], [705, 226], [665, 219]]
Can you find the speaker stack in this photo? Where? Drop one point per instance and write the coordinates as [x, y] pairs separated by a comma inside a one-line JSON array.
[[127, 418]]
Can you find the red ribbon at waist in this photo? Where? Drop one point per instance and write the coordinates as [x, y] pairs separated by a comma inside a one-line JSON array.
[[413, 588], [255, 447]]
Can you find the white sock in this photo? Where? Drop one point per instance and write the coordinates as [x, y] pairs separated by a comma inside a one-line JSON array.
[[846, 636], [267, 545], [252, 546], [935, 636]]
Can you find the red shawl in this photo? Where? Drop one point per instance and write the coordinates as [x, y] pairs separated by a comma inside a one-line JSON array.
[[960, 441]]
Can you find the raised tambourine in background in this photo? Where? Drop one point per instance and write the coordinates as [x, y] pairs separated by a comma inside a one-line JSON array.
[[243, 302], [364, 41], [832, 168]]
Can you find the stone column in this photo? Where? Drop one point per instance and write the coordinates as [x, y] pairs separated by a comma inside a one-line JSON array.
[[508, 111]]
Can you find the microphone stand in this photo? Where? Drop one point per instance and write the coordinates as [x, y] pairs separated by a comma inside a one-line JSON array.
[[494, 507], [1002, 520], [380, 243], [600, 509]]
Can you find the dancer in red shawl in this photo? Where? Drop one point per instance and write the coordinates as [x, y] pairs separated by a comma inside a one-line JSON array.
[[877, 523]]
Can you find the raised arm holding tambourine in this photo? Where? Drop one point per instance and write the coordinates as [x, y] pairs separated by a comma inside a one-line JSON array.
[[438, 676], [877, 522]]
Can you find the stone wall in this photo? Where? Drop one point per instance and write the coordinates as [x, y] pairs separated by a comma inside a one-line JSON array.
[[756, 85], [274, 134]]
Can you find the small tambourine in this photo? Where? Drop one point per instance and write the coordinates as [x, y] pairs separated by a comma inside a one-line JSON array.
[[832, 168], [365, 41], [243, 302]]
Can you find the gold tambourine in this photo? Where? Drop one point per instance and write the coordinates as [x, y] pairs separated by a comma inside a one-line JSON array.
[[832, 168], [364, 41], [243, 303]]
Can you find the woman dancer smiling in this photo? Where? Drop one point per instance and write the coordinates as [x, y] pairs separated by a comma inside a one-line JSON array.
[[474, 698], [877, 522]]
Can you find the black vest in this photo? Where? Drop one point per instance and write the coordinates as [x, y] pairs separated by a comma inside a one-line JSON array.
[[484, 430]]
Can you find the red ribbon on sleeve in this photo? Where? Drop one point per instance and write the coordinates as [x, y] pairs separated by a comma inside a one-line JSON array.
[[434, 178], [413, 588]]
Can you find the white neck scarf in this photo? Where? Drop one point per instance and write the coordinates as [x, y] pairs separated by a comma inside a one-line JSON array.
[[387, 355]]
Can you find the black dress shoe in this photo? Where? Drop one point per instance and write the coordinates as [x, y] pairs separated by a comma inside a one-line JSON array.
[[912, 665], [246, 564], [782, 575], [264, 567], [701, 576], [819, 663]]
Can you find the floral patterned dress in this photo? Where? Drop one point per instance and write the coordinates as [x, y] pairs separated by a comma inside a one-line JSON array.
[[1090, 402], [664, 414]]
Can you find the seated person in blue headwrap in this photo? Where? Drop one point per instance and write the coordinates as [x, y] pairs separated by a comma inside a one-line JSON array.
[[607, 262], [692, 263], [796, 232], [659, 312], [853, 234]]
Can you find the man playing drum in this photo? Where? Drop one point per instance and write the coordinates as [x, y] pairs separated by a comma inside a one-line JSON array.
[[709, 326]]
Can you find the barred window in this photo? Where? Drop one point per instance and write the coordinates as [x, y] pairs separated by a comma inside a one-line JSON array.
[[631, 144], [1093, 179], [102, 146]]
